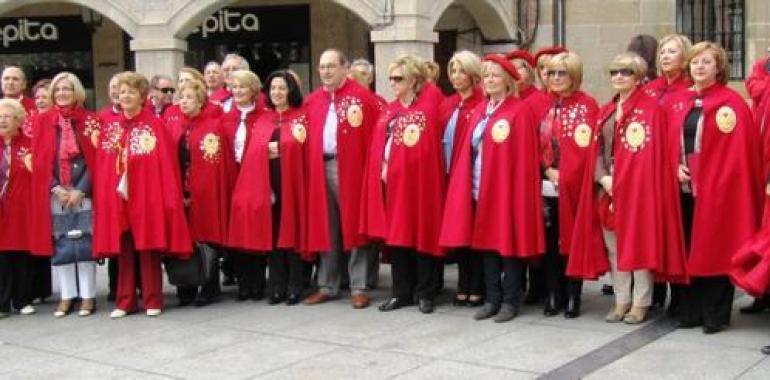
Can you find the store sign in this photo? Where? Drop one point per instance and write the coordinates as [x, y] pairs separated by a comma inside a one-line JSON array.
[[28, 30], [18, 35], [227, 20]]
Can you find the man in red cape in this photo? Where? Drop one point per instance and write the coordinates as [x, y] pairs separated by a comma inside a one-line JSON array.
[[13, 82], [341, 116]]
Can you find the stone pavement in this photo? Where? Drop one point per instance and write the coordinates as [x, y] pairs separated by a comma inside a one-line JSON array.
[[230, 340]]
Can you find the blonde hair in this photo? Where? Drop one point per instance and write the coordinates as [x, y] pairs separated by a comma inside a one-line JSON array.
[[77, 86], [432, 70], [248, 79], [513, 89], [629, 60], [136, 81], [572, 64], [198, 88], [468, 62], [684, 44], [531, 74], [17, 109], [413, 68], [197, 76], [723, 65]]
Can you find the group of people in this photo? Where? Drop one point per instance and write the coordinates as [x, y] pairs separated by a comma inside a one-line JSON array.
[[518, 176]]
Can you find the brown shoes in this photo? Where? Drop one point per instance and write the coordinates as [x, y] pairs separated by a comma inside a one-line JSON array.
[[360, 301], [87, 307], [317, 298], [63, 308]]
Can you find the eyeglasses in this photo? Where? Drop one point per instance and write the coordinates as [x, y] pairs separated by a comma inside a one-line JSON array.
[[622, 72], [167, 90], [556, 73], [396, 78]]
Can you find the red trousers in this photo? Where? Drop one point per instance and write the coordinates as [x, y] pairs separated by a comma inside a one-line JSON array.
[[151, 277]]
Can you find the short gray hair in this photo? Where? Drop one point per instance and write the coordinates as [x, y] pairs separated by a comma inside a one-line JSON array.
[[367, 66], [244, 63]]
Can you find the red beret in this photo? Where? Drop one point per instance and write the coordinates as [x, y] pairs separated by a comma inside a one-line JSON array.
[[504, 63], [551, 50], [522, 54]]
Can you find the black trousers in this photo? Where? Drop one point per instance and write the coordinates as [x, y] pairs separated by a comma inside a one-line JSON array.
[[41, 277], [415, 275], [15, 280], [502, 278], [554, 263], [250, 270], [286, 272], [470, 272], [707, 301]]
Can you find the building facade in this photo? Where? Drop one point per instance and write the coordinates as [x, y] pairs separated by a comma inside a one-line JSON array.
[[97, 38]]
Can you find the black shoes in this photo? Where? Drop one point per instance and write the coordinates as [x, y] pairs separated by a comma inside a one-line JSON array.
[[426, 306], [759, 305], [573, 307], [765, 350], [607, 290], [551, 306], [276, 298], [204, 301], [394, 303], [486, 311], [293, 299]]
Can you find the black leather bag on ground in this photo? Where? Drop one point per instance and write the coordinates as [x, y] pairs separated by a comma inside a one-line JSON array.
[[72, 233], [196, 270]]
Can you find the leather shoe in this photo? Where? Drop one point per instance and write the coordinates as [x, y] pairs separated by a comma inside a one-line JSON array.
[[317, 298], [765, 350], [486, 311], [360, 301], [292, 299], [687, 324], [426, 306], [394, 303], [204, 301], [276, 298], [573, 308], [506, 313], [708, 329], [551, 307], [756, 307], [257, 296], [607, 290]]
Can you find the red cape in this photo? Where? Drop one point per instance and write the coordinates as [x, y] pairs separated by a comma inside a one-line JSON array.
[[44, 127], [729, 182], [578, 112], [660, 89], [508, 214], [353, 103], [14, 206], [28, 104], [758, 87], [539, 101], [405, 212], [220, 96], [466, 108], [211, 175], [431, 93], [251, 226], [154, 211], [642, 189], [231, 120]]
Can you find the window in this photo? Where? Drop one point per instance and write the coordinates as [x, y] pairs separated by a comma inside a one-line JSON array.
[[720, 21]]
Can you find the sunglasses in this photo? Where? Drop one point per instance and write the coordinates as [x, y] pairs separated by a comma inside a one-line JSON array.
[[167, 90], [622, 72], [396, 78], [556, 73]]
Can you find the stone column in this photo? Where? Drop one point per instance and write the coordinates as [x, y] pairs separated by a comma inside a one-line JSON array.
[[158, 55]]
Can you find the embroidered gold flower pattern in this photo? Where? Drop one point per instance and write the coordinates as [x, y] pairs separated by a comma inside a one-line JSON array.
[[409, 128], [142, 140], [637, 133], [210, 146], [350, 109], [109, 139]]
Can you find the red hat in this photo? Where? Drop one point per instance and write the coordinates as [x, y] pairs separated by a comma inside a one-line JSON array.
[[551, 50], [522, 54], [504, 63]]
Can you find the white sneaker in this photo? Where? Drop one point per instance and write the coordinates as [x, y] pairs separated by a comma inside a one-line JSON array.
[[27, 310], [117, 313], [153, 312]]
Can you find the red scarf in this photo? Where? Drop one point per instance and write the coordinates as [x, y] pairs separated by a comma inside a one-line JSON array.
[[68, 146]]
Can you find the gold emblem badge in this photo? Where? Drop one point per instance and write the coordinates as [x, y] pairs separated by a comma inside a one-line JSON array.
[[355, 115], [726, 119], [635, 134], [500, 131], [95, 138], [299, 132], [411, 135], [583, 135], [147, 142], [210, 146]]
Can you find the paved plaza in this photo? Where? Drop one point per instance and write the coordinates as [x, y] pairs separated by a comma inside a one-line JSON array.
[[231, 340]]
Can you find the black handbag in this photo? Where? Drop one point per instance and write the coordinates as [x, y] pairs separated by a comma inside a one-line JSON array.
[[195, 271], [72, 233]]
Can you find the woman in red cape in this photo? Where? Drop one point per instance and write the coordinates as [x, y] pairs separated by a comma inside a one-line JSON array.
[[719, 167], [672, 52], [62, 176], [138, 210], [633, 188], [270, 199], [565, 136], [464, 70], [493, 202], [16, 265], [403, 188], [208, 174]]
